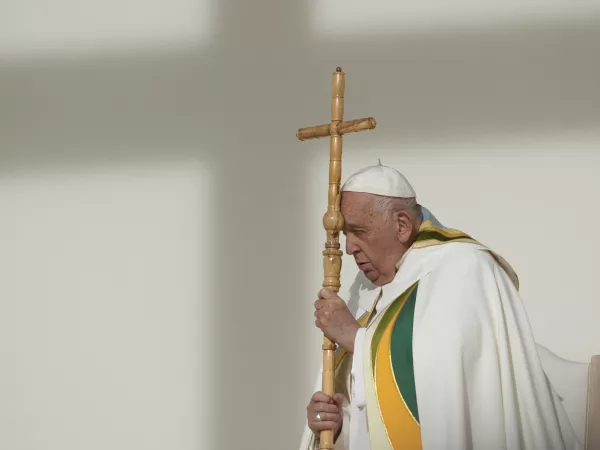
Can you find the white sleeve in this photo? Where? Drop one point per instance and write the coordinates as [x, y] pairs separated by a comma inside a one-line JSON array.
[[358, 382]]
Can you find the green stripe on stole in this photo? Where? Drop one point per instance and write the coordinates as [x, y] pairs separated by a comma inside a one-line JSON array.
[[402, 353], [388, 315]]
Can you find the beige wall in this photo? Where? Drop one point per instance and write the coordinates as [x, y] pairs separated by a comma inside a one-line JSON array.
[[161, 230], [105, 308]]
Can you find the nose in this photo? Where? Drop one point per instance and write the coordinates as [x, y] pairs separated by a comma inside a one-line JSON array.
[[351, 247]]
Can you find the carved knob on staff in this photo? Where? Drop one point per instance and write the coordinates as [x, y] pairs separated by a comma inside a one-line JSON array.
[[332, 265], [333, 221]]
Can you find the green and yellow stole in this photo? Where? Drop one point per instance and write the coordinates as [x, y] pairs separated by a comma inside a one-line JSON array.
[[393, 374], [391, 352]]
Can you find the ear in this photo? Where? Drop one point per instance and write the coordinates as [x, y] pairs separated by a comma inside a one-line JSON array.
[[404, 227]]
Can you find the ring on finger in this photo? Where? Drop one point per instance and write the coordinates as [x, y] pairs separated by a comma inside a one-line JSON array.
[[318, 416]]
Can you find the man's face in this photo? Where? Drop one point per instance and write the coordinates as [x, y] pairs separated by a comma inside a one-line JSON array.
[[374, 243]]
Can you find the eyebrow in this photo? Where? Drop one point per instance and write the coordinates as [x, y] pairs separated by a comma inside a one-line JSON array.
[[353, 226]]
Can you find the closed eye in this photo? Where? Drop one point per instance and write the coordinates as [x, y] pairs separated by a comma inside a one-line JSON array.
[[355, 231]]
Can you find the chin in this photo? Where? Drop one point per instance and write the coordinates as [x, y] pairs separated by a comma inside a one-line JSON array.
[[372, 276], [377, 279]]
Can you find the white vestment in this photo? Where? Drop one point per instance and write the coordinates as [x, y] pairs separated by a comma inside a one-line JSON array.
[[478, 378]]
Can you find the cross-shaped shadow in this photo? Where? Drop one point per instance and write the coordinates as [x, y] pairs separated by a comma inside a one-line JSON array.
[[236, 105]]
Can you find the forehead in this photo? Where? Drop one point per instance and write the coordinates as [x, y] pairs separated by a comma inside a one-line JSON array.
[[357, 207]]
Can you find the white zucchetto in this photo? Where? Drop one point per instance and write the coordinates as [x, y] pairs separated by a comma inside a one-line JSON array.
[[379, 180]]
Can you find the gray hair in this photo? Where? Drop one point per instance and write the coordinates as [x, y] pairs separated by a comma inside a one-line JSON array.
[[390, 205]]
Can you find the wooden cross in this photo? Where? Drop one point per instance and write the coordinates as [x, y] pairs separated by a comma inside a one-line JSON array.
[[333, 220]]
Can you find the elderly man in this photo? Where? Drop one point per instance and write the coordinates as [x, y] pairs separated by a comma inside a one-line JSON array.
[[437, 352]]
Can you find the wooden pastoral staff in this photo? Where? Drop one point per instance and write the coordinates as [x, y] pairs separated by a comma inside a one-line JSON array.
[[333, 220]]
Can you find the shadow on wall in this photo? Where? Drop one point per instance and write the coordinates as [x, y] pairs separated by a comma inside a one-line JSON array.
[[235, 106]]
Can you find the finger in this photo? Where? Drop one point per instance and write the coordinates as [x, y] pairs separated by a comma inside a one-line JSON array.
[[322, 324], [325, 408], [329, 417], [320, 304], [321, 397], [320, 426], [322, 313], [338, 399], [327, 305], [318, 407], [326, 293], [322, 321]]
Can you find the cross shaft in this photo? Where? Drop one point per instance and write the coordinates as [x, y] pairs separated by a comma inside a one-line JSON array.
[[333, 221]]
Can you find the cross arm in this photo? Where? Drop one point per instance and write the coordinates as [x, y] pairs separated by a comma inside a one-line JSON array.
[[345, 127]]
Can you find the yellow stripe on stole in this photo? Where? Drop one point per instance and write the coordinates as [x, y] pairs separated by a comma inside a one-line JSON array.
[[448, 232], [432, 242], [401, 427]]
